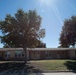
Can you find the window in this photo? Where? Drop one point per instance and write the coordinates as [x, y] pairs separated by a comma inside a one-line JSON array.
[[22, 55], [7, 54], [15, 55], [48, 54], [19, 54]]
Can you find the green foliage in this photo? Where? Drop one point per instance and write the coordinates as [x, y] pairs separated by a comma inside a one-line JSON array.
[[21, 30], [68, 34]]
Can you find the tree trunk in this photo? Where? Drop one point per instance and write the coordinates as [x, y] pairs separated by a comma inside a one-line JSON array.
[[25, 50]]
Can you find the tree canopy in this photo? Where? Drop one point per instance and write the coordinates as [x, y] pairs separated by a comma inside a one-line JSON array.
[[21, 29], [68, 33]]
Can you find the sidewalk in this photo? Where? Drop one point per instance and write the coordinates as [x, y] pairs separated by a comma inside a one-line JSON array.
[[59, 73]]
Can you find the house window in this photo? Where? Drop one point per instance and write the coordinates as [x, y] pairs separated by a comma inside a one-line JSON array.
[[15, 55], [19, 54], [22, 55], [48, 54], [7, 54]]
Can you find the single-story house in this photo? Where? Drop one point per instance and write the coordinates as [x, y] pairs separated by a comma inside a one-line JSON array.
[[37, 53]]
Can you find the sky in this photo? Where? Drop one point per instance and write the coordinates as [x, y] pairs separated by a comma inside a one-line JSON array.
[[53, 13]]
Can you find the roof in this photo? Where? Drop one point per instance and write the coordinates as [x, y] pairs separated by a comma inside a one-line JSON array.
[[10, 49], [36, 49], [51, 49]]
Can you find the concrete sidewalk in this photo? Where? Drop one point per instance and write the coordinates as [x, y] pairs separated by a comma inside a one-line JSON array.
[[59, 73]]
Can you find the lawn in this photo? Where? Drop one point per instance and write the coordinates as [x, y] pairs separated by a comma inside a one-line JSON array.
[[36, 66], [54, 64]]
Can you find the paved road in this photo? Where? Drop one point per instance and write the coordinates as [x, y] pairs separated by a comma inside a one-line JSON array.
[[61, 73]]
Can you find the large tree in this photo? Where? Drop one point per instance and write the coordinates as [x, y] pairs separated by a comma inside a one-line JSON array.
[[68, 33], [21, 30]]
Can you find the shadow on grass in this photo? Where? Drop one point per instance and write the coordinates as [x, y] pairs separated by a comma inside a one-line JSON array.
[[71, 65], [7, 66], [18, 66]]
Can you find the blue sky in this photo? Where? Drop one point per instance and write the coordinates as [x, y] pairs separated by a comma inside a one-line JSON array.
[[53, 13]]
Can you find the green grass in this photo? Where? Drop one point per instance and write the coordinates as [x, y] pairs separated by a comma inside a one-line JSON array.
[[41, 65], [54, 64]]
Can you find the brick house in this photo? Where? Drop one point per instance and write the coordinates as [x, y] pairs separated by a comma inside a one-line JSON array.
[[37, 53]]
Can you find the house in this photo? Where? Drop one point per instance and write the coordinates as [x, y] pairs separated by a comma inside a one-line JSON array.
[[37, 53]]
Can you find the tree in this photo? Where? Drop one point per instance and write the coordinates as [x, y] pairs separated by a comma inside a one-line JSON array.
[[21, 30], [41, 34], [68, 34]]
